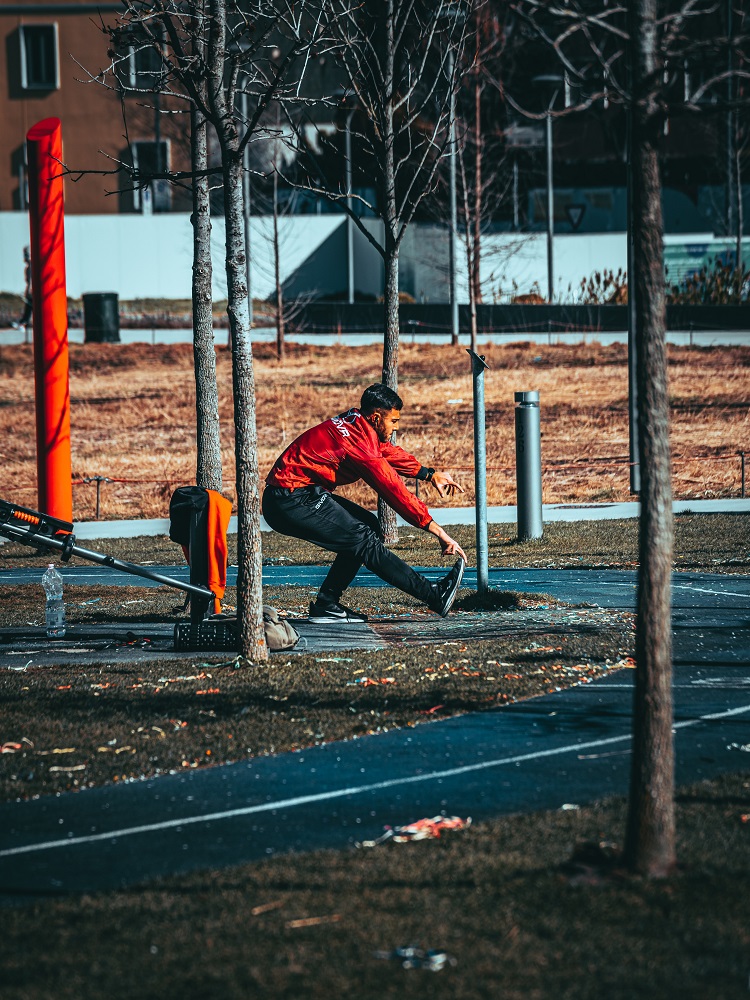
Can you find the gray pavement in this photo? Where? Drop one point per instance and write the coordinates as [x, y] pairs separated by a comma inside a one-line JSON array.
[[710, 611]]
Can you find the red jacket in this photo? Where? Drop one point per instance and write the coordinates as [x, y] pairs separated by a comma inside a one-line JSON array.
[[343, 450]]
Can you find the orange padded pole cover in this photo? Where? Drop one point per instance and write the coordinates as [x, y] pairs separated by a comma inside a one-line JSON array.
[[46, 219]]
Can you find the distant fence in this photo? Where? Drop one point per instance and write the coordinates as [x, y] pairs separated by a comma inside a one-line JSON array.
[[333, 317]]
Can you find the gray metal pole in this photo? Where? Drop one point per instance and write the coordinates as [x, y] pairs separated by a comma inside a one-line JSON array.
[[550, 214], [635, 468], [454, 208], [528, 466], [349, 220], [478, 368], [246, 196]]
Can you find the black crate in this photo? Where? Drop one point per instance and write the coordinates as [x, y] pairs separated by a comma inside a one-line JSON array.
[[206, 635]]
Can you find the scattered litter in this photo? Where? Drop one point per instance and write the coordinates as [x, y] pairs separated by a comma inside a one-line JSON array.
[[236, 663], [745, 818], [745, 747], [569, 806], [371, 681], [126, 603], [10, 747], [46, 753], [416, 958], [333, 659], [314, 921], [266, 907], [71, 767], [94, 600], [210, 691], [423, 829]]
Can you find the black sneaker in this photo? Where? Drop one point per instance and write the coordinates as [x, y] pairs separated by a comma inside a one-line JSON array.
[[445, 590], [327, 613]]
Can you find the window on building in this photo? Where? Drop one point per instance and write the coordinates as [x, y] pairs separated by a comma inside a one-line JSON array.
[[151, 158], [40, 69], [139, 64]]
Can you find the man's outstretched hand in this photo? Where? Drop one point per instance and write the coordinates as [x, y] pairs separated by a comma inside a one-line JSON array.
[[446, 485], [449, 545]]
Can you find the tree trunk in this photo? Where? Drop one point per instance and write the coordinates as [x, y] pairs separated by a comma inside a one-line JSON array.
[[650, 836], [249, 560], [277, 272], [209, 470], [249, 556], [386, 515]]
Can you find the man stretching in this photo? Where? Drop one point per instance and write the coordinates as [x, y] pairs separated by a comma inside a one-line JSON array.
[[299, 501]]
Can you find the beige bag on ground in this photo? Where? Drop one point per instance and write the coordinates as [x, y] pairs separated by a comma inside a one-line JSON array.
[[280, 634]]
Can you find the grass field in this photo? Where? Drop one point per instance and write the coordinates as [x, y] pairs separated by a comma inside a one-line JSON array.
[[133, 417]]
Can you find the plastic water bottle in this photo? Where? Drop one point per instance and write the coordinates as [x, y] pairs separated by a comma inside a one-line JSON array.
[[55, 611]]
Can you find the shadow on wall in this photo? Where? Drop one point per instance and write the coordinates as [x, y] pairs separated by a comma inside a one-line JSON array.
[[323, 274]]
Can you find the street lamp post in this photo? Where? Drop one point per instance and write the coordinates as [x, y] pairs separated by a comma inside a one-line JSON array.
[[349, 220], [550, 84], [550, 211]]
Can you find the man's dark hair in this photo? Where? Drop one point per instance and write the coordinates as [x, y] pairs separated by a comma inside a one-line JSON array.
[[379, 397]]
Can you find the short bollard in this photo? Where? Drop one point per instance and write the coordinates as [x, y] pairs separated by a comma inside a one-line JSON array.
[[478, 368], [528, 466]]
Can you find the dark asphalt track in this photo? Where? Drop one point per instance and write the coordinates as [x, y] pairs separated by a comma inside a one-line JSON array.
[[605, 587], [567, 748], [571, 747]]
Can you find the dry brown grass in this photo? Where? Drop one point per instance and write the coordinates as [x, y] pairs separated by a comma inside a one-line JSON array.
[[133, 415]]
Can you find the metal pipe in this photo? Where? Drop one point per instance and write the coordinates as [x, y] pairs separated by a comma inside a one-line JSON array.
[[742, 473], [478, 368], [550, 214], [454, 205], [528, 466], [25, 537]]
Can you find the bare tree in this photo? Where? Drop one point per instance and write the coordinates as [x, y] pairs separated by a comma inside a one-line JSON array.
[[650, 836], [398, 78], [208, 51], [209, 469], [632, 54]]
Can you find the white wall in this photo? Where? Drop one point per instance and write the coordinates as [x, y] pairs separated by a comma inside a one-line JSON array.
[[142, 256], [150, 256]]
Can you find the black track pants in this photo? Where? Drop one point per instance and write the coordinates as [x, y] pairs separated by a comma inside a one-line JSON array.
[[343, 527]]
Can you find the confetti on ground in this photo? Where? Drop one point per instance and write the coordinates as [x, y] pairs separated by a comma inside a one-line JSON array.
[[313, 921], [416, 958], [422, 829], [266, 907]]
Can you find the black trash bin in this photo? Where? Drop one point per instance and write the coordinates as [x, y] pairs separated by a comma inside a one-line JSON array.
[[101, 318]]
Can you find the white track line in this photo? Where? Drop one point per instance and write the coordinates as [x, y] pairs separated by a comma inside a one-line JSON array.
[[303, 800], [705, 590]]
